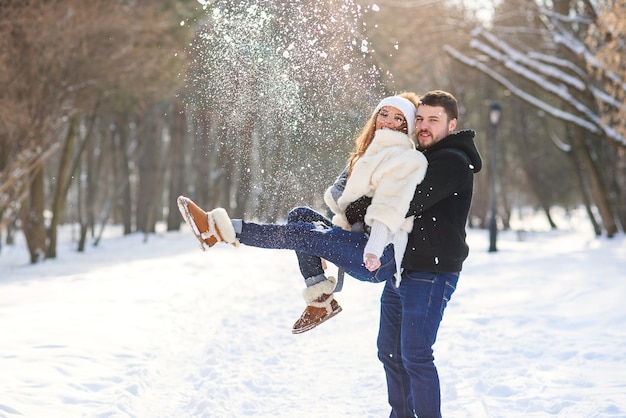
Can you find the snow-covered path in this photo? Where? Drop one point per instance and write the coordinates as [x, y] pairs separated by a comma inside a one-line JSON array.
[[161, 329]]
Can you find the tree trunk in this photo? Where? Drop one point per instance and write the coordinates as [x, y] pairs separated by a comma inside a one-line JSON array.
[[93, 170], [121, 165], [620, 181], [584, 194], [244, 157], [32, 217], [81, 214], [149, 158], [598, 190], [221, 171], [178, 130], [62, 185], [198, 184]]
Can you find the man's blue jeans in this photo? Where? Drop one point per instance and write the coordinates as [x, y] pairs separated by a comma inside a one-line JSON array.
[[409, 320], [312, 236]]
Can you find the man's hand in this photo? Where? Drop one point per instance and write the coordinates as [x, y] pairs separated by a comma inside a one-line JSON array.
[[372, 262]]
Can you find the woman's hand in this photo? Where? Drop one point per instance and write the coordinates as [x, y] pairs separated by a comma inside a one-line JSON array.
[[371, 261]]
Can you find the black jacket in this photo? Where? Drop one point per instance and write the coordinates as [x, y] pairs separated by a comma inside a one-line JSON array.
[[440, 205]]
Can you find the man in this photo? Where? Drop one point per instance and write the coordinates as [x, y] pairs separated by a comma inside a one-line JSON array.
[[411, 313]]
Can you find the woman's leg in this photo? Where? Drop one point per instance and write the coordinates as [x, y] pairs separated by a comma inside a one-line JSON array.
[[318, 239], [310, 265], [312, 241], [340, 247]]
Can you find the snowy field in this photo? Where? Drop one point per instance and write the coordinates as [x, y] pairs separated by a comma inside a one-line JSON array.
[[160, 329]]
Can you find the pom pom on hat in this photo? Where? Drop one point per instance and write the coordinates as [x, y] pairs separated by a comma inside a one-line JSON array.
[[404, 105]]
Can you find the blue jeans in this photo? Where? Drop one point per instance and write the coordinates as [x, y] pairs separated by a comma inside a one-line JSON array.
[[313, 237], [409, 319]]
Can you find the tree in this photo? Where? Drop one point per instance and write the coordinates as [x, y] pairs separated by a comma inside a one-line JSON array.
[[176, 162], [551, 73], [58, 59]]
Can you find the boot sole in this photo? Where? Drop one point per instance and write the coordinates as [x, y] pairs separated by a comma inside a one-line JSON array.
[[311, 326], [188, 217]]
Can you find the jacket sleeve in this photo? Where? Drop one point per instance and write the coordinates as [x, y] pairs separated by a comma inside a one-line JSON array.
[[355, 212], [334, 192], [360, 181], [448, 172]]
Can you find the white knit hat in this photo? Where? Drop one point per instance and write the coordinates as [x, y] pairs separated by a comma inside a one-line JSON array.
[[404, 105]]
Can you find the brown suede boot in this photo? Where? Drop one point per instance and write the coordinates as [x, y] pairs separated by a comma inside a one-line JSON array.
[[321, 306], [208, 227]]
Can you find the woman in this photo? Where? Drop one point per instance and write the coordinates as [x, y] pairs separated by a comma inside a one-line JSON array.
[[386, 167]]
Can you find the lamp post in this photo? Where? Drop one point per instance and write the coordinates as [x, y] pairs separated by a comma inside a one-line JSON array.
[[494, 118]]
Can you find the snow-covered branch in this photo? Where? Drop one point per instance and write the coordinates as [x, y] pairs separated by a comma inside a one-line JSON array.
[[563, 18], [511, 57], [571, 42], [532, 73], [572, 82], [540, 104], [586, 119], [553, 136]]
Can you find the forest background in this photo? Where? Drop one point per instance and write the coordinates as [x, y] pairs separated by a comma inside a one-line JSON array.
[[110, 110]]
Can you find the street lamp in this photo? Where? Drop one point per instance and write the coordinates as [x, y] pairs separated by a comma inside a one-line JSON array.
[[494, 118]]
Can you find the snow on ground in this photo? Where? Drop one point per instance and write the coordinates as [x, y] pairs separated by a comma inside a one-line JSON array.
[[161, 329]]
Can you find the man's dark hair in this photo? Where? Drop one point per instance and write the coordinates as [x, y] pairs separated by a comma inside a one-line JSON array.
[[443, 99]]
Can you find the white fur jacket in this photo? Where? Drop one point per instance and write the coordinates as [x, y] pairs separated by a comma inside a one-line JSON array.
[[388, 172]]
